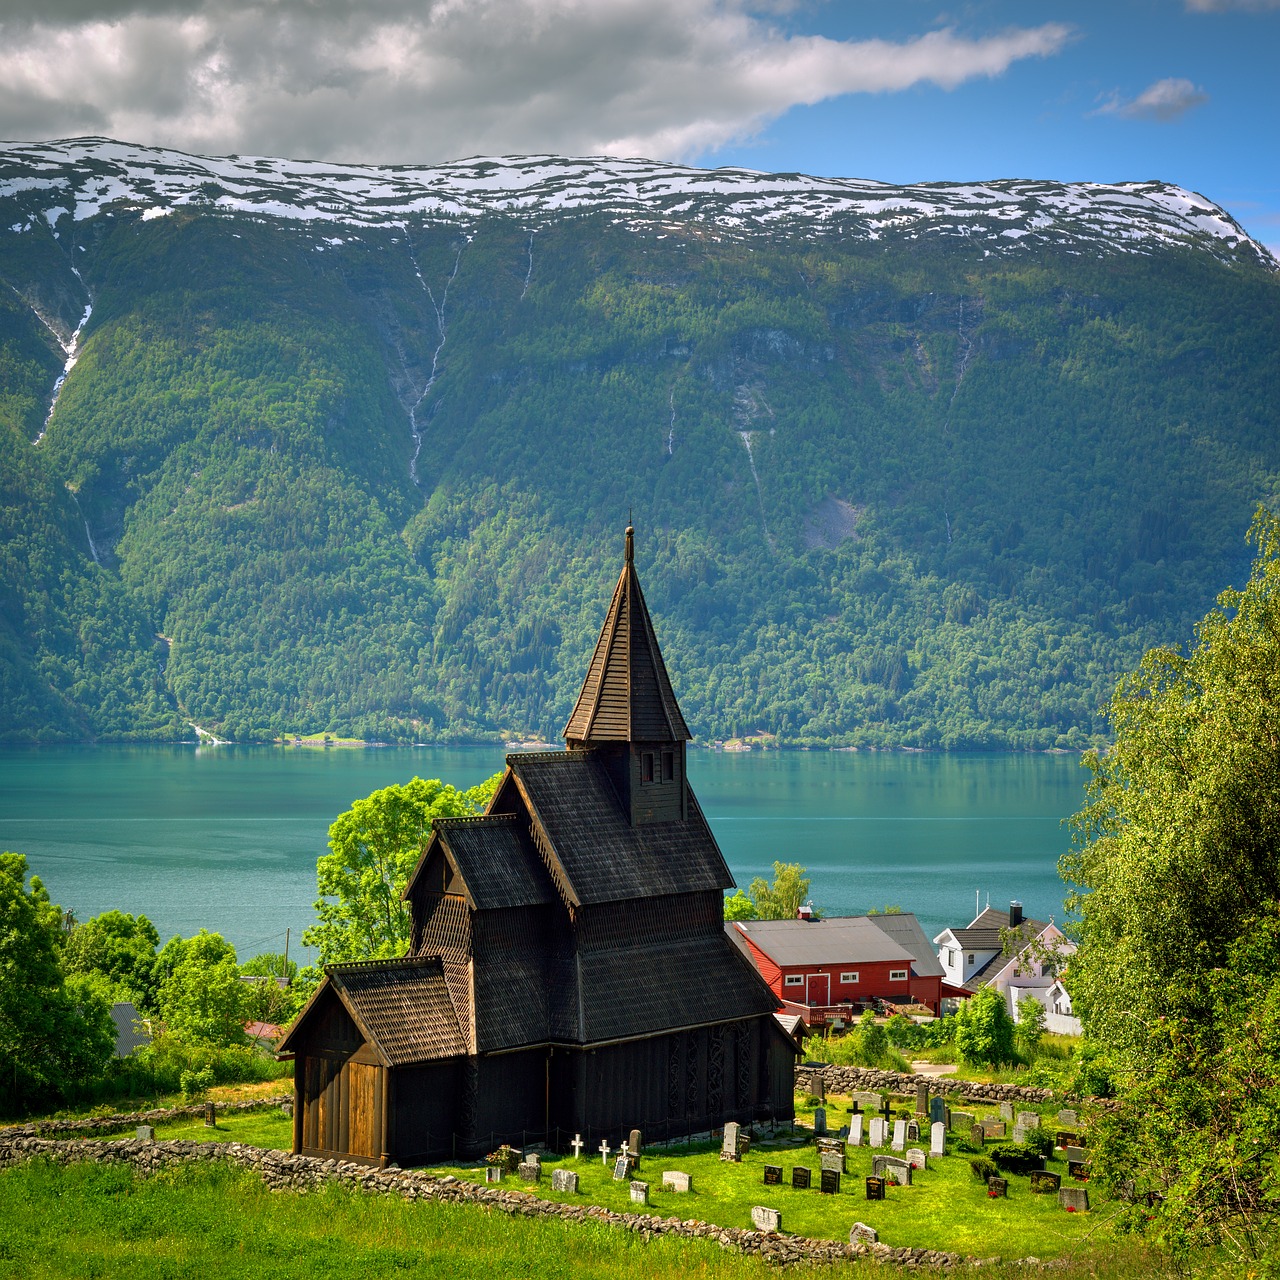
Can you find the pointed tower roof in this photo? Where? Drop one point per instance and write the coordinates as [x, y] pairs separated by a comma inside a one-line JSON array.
[[627, 695]]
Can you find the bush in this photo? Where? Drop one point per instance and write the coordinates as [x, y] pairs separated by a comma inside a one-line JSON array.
[[983, 1168], [1018, 1157], [1039, 1140], [984, 1030]]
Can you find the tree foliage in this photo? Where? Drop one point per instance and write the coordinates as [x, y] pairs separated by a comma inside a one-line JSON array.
[[202, 999], [373, 847], [784, 897], [53, 1036], [1177, 868], [984, 1029], [121, 948]]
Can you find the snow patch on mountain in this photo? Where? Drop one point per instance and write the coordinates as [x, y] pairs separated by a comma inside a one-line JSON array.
[[90, 176]]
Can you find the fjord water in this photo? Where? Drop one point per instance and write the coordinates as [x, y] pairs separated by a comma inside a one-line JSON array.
[[226, 838]]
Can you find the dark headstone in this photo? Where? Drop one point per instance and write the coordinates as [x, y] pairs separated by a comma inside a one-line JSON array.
[[922, 1098], [875, 1188], [1065, 1138], [801, 1178], [773, 1175], [633, 1142], [978, 1134], [1077, 1170], [829, 1182], [1043, 1181], [997, 1186], [937, 1111], [913, 1131], [622, 1168], [210, 1116], [820, 1121]]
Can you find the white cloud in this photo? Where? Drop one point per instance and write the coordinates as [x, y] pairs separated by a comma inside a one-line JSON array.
[[1164, 100], [429, 80], [1222, 6]]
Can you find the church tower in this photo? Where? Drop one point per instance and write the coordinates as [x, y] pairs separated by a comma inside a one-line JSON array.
[[627, 712]]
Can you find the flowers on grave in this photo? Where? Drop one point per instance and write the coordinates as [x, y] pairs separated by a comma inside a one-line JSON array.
[[505, 1158], [992, 1194], [1071, 1208]]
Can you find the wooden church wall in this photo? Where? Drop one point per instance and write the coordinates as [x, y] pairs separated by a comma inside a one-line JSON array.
[[426, 1105]]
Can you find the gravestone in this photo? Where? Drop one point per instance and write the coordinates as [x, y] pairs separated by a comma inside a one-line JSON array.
[[1074, 1155], [978, 1134], [855, 1131], [916, 1158], [1075, 1198], [564, 1180], [913, 1131], [829, 1182], [766, 1219], [210, 1116], [820, 1121], [1019, 1133], [286, 1108], [937, 1138], [146, 1132], [1028, 1119], [604, 1148], [1068, 1117], [922, 1098], [997, 1187], [773, 1175], [623, 1167], [1042, 1181], [832, 1161], [1065, 1138], [937, 1111], [894, 1170], [1006, 1111], [869, 1102], [962, 1121], [531, 1170], [860, 1233], [675, 1180], [899, 1135], [801, 1178], [875, 1188], [493, 1173], [633, 1143], [1076, 1169], [994, 1128], [577, 1144], [818, 1086], [729, 1149], [639, 1193], [877, 1132]]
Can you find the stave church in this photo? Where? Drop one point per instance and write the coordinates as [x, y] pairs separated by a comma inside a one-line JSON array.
[[568, 972]]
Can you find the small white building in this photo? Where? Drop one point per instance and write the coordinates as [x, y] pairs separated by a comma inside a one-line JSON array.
[[1017, 956]]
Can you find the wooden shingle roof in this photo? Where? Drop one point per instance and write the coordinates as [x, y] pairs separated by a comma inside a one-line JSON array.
[[401, 1007], [497, 861], [598, 856], [627, 695]]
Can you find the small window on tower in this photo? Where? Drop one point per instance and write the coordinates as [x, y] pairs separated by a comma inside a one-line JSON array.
[[668, 766], [646, 766]]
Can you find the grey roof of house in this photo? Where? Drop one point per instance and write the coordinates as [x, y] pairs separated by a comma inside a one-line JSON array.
[[983, 932], [599, 856], [838, 940], [905, 930], [124, 1015]]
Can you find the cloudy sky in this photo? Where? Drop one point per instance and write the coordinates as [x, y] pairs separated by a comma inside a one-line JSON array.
[[901, 90]]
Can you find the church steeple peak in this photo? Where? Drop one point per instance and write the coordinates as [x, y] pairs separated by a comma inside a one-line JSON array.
[[627, 694]]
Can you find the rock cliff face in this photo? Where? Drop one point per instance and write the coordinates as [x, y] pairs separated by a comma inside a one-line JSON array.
[[921, 466]]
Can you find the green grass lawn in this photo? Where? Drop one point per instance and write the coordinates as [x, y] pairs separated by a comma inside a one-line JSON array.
[[269, 1128]]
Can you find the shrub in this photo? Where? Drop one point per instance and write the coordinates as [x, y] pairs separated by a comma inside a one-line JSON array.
[[1018, 1157], [983, 1168]]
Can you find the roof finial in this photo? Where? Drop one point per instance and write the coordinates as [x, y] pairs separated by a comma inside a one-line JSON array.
[[631, 541]]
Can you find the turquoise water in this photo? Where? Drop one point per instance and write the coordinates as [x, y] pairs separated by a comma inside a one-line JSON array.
[[227, 837]]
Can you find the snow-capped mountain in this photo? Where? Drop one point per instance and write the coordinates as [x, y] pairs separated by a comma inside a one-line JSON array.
[[84, 177]]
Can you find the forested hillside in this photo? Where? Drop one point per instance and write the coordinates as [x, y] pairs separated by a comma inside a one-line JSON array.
[[371, 478]]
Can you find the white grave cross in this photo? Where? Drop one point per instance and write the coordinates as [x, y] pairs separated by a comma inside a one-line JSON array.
[[577, 1144], [604, 1150]]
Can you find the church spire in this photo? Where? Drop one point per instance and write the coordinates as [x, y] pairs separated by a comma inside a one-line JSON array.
[[627, 694]]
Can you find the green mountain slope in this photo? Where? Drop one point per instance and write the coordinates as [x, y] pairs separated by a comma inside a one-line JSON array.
[[926, 490]]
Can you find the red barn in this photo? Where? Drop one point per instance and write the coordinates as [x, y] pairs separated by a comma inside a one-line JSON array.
[[823, 967]]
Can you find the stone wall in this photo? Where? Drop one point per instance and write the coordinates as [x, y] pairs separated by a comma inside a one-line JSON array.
[[284, 1172], [849, 1079], [129, 1120]]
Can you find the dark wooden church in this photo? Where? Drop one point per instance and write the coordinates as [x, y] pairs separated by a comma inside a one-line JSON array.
[[568, 970]]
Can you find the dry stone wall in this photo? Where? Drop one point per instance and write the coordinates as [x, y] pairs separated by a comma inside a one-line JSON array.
[[284, 1172], [129, 1120], [848, 1079]]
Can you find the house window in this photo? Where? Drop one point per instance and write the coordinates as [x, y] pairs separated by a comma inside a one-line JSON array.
[[897, 975], [849, 977], [668, 766], [951, 957], [646, 766], [971, 958], [794, 980]]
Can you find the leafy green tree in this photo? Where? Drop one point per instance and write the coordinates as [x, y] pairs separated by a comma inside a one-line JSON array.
[[1177, 975], [985, 1030], [739, 907], [268, 1000], [373, 848], [122, 949], [202, 1000], [1031, 1023], [784, 897], [873, 1038], [52, 1037]]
